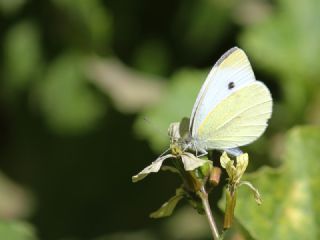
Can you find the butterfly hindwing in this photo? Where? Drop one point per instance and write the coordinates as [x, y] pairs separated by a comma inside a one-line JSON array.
[[237, 120]]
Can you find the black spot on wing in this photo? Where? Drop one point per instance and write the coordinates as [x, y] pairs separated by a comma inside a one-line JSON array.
[[231, 85]]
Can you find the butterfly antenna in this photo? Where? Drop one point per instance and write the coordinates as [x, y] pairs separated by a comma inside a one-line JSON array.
[[167, 150], [157, 130]]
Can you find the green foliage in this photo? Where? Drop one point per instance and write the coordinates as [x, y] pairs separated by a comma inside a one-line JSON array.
[[65, 97], [58, 58], [97, 27], [14, 230], [167, 208], [208, 23], [23, 57], [176, 104], [286, 44], [9, 7], [156, 51], [154, 167], [289, 194]]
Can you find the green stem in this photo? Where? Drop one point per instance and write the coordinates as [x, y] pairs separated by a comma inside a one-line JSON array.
[[205, 201], [231, 197]]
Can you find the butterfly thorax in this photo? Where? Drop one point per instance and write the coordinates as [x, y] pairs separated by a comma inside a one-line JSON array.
[[181, 139]]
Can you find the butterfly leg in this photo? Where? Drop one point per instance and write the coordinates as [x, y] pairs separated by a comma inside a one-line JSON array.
[[202, 152]]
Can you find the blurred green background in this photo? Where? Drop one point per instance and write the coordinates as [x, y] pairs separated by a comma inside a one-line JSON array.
[[80, 78]]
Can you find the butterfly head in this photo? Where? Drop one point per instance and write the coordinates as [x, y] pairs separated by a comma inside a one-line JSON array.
[[179, 136]]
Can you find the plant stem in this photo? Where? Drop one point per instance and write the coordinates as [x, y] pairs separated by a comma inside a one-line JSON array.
[[204, 197]]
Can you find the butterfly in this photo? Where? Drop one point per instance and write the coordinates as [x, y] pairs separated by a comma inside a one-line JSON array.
[[232, 108]]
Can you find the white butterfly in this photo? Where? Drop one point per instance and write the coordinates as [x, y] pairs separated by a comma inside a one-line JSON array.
[[232, 108]]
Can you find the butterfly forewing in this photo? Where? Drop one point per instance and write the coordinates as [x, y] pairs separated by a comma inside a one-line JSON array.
[[231, 72]]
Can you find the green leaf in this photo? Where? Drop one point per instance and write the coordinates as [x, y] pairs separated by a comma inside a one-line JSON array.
[[14, 230], [291, 207], [152, 57], [92, 18], [207, 24], [170, 169], [152, 168], [167, 208], [176, 104], [254, 190], [287, 44], [224, 160], [286, 36], [235, 172], [191, 162], [242, 164], [23, 56], [9, 7], [64, 96]]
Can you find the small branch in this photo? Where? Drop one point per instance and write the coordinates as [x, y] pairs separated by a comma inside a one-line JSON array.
[[204, 197]]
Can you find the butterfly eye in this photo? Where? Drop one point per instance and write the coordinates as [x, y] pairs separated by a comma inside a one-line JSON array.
[[231, 85]]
